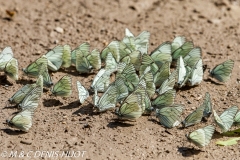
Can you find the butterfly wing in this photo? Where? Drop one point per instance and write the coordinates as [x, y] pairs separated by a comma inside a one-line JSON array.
[[82, 92], [63, 87], [194, 117], [223, 71], [164, 100], [66, 56], [11, 69], [5, 56], [83, 48], [55, 58], [94, 59]]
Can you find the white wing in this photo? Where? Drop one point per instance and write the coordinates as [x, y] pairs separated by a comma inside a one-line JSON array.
[[197, 74], [5, 56], [82, 92]]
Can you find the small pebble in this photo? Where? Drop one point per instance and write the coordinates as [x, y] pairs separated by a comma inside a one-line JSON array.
[[59, 29]]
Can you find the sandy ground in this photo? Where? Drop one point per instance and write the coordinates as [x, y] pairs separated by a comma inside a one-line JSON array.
[[60, 124]]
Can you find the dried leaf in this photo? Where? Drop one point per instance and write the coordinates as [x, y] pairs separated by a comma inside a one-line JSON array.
[[228, 142]]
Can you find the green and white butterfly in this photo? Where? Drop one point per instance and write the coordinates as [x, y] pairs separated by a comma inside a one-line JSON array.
[[66, 56], [108, 100], [85, 61], [162, 54], [177, 43], [110, 63], [170, 116], [196, 75], [181, 70], [139, 42], [112, 48], [47, 80], [63, 87], [131, 109], [84, 48], [237, 118], [168, 84], [194, 117], [54, 57], [30, 102], [164, 100], [11, 69], [101, 80], [122, 89], [22, 120], [33, 69], [21, 93], [222, 72], [192, 57], [82, 92], [183, 50], [162, 74], [201, 137], [148, 78], [226, 119], [135, 58], [207, 104], [5, 56], [148, 61], [130, 77]]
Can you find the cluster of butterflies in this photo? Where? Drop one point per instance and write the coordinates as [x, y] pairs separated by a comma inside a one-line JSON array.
[[138, 77]]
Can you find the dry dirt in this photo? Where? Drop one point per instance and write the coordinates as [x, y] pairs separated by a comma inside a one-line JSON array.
[[60, 124]]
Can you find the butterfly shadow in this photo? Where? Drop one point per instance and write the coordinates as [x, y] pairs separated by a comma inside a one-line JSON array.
[[71, 105], [86, 110], [189, 152], [51, 102], [13, 132], [70, 70], [212, 81], [185, 88], [24, 81], [4, 81], [116, 123]]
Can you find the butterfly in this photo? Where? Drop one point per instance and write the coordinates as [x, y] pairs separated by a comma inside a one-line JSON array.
[[201, 137], [181, 71], [168, 84], [162, 74], [170, 116], [83, 48], [130, 77], [131, 108], [54, 57], [135, 57], [66, 56], [148, 78], [112, 48], [194, 117], [63, 87], [177, 43], [164, 100], [101, 80], [110, 63], [33, 69], [162, 54], [183, 50], [11, 69], [108, 100], [192, 57], [5, 56], [207, 104], [222, 72], [196, 75], [82, 92], [21, 93], [22, 120], [47, 80], [148, 61], [31, 100], [139, 42], [122, 89], [86, 61], [226, 119]]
